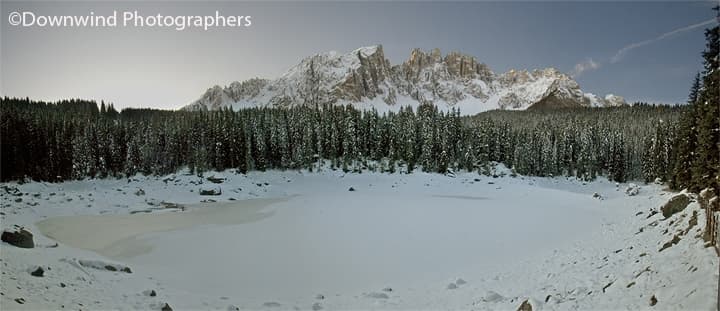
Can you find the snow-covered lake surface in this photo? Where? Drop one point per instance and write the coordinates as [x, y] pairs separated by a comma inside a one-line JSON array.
[[286, 240]]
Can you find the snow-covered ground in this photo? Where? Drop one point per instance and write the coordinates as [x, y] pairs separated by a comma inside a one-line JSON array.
[[301, 240]]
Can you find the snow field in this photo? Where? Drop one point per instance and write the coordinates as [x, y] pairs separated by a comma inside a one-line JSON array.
[[401, 241]]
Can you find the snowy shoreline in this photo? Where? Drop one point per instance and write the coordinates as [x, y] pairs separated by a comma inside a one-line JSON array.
[[403, 241]]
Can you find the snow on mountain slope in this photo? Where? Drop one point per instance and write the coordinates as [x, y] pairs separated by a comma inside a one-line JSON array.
[[367, 80], [610, 100]]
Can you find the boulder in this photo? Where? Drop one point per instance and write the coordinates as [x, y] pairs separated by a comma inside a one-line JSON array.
[[632, 190], [210, 191], [653, 300], [20, 238], [675, 204], [11, 190], [525, 306], [216, 179], [38, 272]]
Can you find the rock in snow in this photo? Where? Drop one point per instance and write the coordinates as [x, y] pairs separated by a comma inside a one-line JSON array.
[[632, 190], [150, 292], [675, 204], [216, 178], [653, 300], [20, 238], [38, 272], [101, 265], [525, 306], [210, 191]]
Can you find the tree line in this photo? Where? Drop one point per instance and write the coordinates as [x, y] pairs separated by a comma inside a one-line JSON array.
[[75, 139]]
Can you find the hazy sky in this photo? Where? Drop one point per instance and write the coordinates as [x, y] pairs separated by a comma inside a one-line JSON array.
[[641, 50]]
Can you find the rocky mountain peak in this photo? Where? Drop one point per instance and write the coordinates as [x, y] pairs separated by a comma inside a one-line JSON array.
[[365, 78], [420, 59], [213, 98], [456, 64]]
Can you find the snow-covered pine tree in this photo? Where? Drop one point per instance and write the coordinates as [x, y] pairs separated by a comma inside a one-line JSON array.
[[706, 166]]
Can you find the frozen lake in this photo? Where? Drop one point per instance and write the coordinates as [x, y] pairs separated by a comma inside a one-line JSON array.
[[330, 241], [298, 240]]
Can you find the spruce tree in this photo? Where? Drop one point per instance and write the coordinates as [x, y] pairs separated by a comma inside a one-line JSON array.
[[706, 165]]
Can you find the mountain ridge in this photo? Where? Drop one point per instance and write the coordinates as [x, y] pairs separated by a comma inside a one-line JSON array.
[[366, 79]]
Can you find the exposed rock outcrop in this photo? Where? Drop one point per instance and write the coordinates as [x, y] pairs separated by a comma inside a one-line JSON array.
[[366, 78], [675, 204]]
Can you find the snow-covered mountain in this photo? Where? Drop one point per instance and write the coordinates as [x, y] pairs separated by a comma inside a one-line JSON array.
[[366, 79]]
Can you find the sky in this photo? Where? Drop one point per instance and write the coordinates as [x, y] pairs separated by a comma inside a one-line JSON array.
[[644, 51]]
